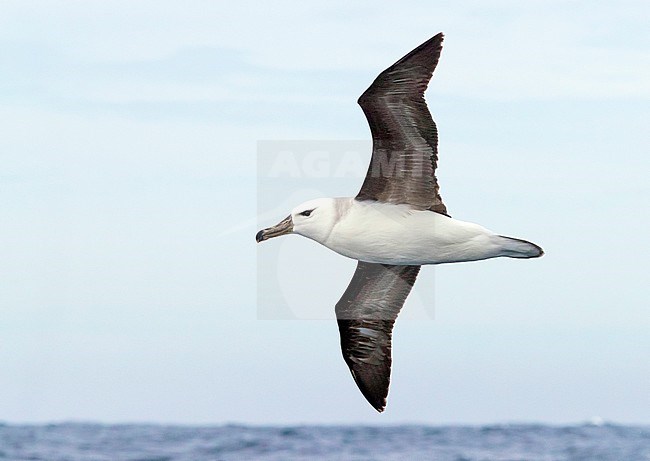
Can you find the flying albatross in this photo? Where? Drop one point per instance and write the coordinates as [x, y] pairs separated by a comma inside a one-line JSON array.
[[396, 223]]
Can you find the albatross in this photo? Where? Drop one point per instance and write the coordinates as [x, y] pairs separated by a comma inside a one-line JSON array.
[[396, 223]]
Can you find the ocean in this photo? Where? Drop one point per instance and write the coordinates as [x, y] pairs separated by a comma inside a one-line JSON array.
[[99, 442]]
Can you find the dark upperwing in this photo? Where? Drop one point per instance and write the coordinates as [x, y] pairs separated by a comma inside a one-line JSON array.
[[405, 138], [366, 313]]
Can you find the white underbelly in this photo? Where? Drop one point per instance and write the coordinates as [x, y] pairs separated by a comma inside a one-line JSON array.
[[393, 234]]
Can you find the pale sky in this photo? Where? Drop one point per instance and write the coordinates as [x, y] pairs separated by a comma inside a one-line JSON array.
[[129, 204]]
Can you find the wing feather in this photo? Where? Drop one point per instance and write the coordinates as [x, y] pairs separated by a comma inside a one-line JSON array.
[[405, 137], [366, 314]]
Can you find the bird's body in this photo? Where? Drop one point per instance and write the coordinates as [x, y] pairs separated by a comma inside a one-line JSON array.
[[396, 223], [386, 233]]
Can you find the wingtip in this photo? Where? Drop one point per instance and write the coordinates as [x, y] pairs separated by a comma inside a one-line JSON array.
[[435, 41], [439, 37], [379, 405], [377, 401]]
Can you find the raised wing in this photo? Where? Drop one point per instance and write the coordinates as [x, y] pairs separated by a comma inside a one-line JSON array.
[[404, 136], [366, 314]]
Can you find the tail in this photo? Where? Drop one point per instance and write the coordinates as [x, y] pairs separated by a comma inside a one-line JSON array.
[[517, 248]]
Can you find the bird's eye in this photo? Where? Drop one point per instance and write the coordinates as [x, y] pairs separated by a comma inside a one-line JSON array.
[[306, 213]]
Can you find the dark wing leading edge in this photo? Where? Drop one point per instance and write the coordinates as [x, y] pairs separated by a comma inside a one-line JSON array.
[[366, 314], [405, 138]]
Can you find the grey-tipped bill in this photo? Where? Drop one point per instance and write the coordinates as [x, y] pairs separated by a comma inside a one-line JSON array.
[[283, 227]]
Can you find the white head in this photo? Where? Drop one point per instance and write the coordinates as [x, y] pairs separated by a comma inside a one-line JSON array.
[[313, 219]]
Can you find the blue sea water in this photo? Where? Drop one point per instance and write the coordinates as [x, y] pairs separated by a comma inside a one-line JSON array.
[[97, 442]]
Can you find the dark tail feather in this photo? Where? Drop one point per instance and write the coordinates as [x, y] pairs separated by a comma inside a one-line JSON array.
[[517, 248]]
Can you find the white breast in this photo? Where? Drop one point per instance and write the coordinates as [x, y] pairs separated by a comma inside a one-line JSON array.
[[395, 234]]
